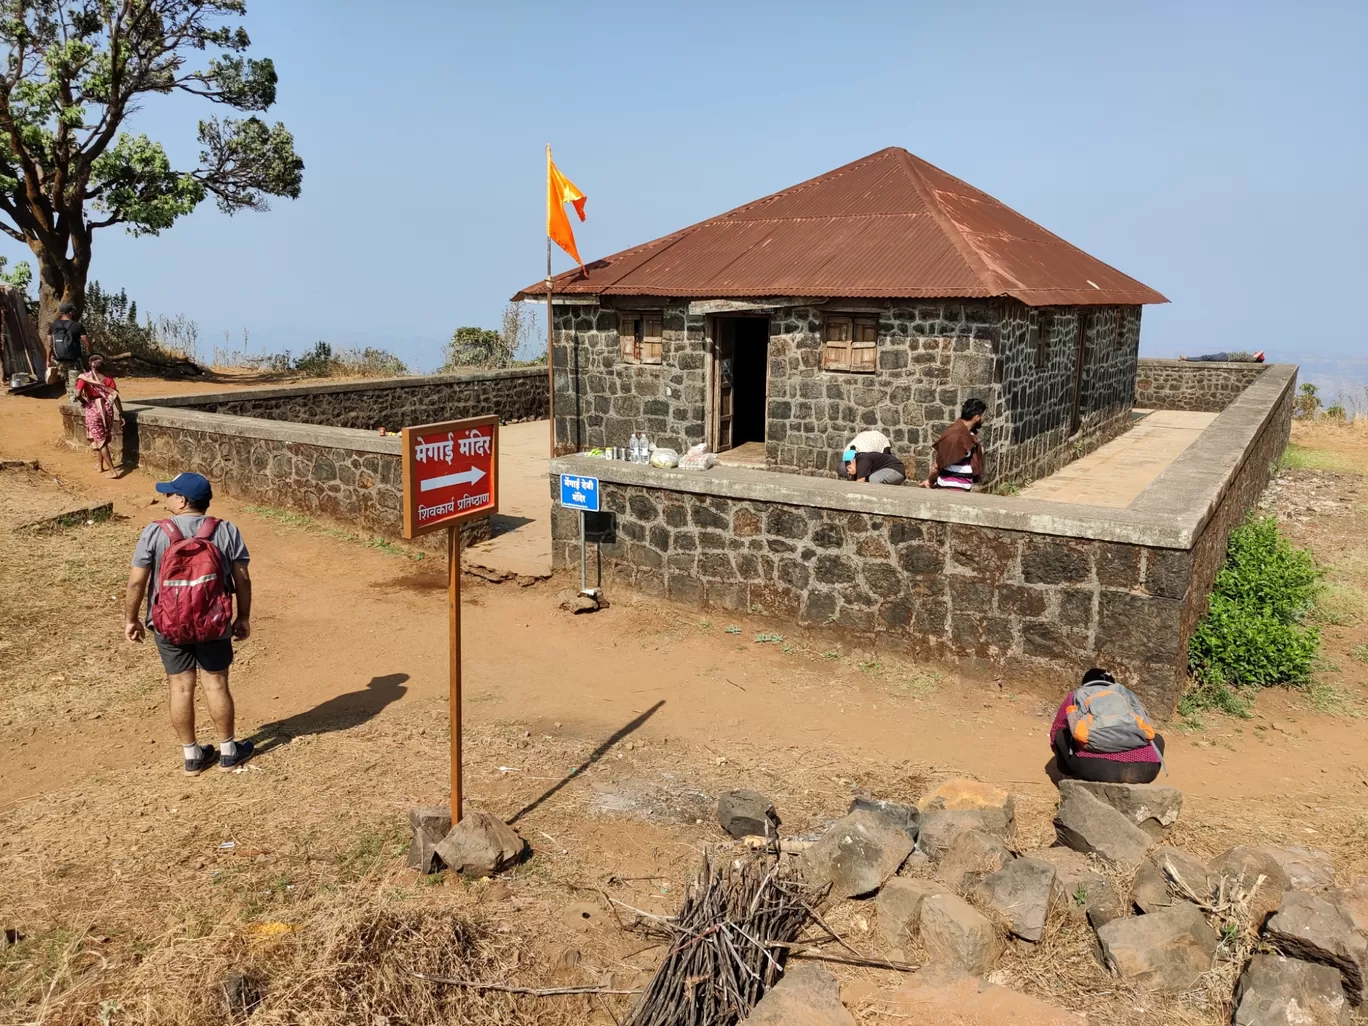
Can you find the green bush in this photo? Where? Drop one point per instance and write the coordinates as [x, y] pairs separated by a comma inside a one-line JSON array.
[[322, 361], [1256, 632]]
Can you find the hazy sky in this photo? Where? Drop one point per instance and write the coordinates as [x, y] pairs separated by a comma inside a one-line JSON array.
[[1214, 151]]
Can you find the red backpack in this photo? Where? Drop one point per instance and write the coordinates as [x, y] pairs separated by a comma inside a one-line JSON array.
[[193, 604]]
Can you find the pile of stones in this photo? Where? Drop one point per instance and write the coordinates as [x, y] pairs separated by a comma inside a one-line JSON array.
[[948, 874]]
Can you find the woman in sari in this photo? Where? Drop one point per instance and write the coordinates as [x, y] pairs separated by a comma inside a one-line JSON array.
[[99, 399]]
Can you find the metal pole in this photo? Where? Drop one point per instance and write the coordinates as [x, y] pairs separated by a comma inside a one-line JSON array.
[[550, 350], [584, 581], [454, 668]]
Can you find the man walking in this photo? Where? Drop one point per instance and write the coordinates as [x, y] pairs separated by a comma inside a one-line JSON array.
[[66, 346], [956, 457], [195, 565]]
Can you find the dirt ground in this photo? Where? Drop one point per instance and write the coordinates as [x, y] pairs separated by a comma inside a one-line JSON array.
[[127, 891]]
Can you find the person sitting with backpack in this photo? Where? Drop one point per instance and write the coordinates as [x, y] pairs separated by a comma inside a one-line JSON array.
[[1103, 733], [195, 565], [67, 343]]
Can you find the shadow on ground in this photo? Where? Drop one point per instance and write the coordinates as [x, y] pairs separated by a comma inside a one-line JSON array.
[[341, 712]]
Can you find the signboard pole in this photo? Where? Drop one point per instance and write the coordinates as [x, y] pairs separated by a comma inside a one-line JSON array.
[[454, 668], [584, 580], [450, 475]]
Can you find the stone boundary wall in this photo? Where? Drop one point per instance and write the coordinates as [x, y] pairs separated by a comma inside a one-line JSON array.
[[515, 394], [1192, 385], [1046, 588], [344, 474]]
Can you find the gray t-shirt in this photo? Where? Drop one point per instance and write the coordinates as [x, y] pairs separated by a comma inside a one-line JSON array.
[[153, 543]]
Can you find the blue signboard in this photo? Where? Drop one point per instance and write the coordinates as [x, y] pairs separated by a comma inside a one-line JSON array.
[[581, 493]]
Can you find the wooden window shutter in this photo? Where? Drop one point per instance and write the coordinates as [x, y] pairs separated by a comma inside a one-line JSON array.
[[836, 343], [652, 337], [864, 351], [1042, 342], [629, 334]]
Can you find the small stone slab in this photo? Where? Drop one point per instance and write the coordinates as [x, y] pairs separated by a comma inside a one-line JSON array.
[[899, 906], [1164, 951], [1153, 890], [429, 825], [963, 794], [1277, 991], [958, 935], [577, 602], [480, 845], [856, 855], [972, 855], [1086, 823], [1022, 892], [806, 995], [1154, 808], [1312, 929], [1243, 866], [1085, 889], [905, 817], [1306, 870], [745, 813]]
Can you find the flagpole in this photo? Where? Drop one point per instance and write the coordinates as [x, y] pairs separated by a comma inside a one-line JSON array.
[[550, 348]]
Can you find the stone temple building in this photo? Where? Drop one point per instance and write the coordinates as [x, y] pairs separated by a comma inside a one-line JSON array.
[[879, 295]]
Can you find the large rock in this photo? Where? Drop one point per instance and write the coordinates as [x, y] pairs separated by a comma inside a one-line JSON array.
[[904, 817], [970, 803], [973, 854], [744, 813], [958, 935], [899, 906], [930, 997], [1276, 991], [1306, 870], [1086, 823], [806, 995], [1085, 889], [480, 845], [856, 855], [429, 825], [1353, 904], [1022, 892], [1314, 930], [939, 827], [1253, 870], [1163, 951], [1154, 890], [1154, 808]]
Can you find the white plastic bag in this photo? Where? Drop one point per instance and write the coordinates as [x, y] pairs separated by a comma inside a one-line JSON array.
[[664, 458], [698, 458]]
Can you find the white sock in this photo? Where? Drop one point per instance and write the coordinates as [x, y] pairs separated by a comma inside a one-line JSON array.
[[228, 748], [191, 751]]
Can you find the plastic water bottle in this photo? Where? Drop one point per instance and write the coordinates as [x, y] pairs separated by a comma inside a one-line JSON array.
[[645, 448], [634, 448]]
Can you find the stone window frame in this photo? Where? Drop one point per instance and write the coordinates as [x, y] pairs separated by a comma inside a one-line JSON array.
[[854, 349], [1042, 334], [644, 341]]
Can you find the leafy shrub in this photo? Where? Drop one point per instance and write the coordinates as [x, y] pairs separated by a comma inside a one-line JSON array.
[[477, 347], [1256, 632], [322, 362], [1307, 404]]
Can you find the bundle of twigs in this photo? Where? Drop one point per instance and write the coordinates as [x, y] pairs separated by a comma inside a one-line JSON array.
[[727, 945]]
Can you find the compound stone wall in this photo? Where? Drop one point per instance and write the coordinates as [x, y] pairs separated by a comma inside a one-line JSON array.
[[514, 395], [931, 358], [1192, 385]]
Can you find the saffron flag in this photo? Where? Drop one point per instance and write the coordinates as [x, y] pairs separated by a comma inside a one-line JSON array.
[[560, 191]]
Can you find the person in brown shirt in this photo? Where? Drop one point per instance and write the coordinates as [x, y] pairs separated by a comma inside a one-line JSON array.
[[956, 456]]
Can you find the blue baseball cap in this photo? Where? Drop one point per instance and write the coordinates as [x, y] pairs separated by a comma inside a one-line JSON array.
[[848, 455], [194, 488]]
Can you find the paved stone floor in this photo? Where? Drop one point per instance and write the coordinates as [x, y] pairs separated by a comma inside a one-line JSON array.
[[1116, 473], [522, 528]]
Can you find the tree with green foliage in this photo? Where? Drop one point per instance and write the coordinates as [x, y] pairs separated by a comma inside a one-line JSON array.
[[477, 347], [74, 73]]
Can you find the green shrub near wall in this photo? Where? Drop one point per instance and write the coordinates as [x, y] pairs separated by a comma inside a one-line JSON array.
[[1256, 632]]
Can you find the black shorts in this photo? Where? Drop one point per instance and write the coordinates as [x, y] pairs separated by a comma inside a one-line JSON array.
[[214, 656]]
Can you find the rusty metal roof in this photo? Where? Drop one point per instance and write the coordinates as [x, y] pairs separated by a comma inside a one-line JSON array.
[[889, 226]]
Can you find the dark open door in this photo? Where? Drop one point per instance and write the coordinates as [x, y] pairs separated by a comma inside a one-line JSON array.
[[1080, 362], [724, 381]]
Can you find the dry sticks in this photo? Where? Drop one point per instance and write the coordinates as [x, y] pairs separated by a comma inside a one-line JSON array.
[[728, 944]]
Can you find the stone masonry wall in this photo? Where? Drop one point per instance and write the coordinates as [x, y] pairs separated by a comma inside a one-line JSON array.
[[513, 395], [931, 358], [1192, 385], [602, 400], [955, 591]]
